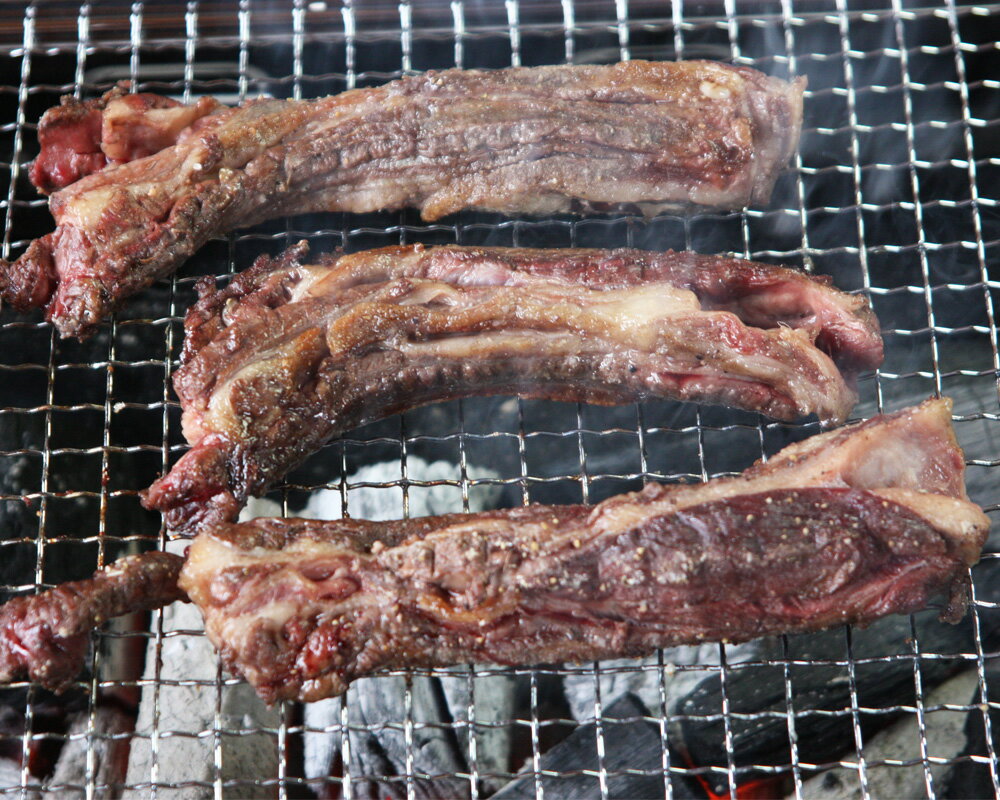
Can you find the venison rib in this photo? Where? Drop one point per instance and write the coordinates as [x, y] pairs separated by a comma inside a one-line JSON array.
[[846, 527], [288, 356], [537, 140]]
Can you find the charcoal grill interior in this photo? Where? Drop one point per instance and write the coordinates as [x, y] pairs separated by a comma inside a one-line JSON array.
[[894, 193]]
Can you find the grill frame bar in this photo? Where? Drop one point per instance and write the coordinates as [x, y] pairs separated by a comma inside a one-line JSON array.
[[460, 35]]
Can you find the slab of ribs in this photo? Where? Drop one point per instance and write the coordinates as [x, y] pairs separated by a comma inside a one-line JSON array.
[[290, 354], [845, 527], [141, 182]]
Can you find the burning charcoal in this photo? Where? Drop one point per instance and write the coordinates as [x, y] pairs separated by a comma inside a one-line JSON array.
[[188, 712], [50, 714], [825, 737], [968, 778], [494, 700], [641, 677], [107, 739], [944, 734], [377, 705], [630, 743]]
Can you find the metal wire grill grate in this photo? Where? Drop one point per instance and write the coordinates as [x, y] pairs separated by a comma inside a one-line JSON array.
[[893, 194]]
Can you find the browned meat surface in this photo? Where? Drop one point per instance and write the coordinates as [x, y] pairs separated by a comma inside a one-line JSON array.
[[846, 527], [534, 140], [45, 636], [288, 356], [77, 137]]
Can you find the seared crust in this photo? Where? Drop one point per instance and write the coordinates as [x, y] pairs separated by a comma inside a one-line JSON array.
[[288, 356], [538, 140], [45, 636], [846, 527]]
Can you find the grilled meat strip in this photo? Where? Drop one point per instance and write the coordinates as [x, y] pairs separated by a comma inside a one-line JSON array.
[[288, 356], [534, 140], [45, 636], [846, 527]]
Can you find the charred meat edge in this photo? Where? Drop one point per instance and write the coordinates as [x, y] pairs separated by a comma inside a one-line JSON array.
[[288, 356], [536, 141], [845, 527]]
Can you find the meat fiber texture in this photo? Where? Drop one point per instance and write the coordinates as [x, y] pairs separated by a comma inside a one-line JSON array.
[[847, 527], [180, 700], [77, 138], [540, 140], [288, 355]]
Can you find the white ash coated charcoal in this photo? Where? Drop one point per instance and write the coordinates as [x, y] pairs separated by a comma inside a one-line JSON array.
[[492, 697], [107, 737], [900, 744], [972, 773], [182, 763], [641, 678], [10, 779], [380, 749]]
